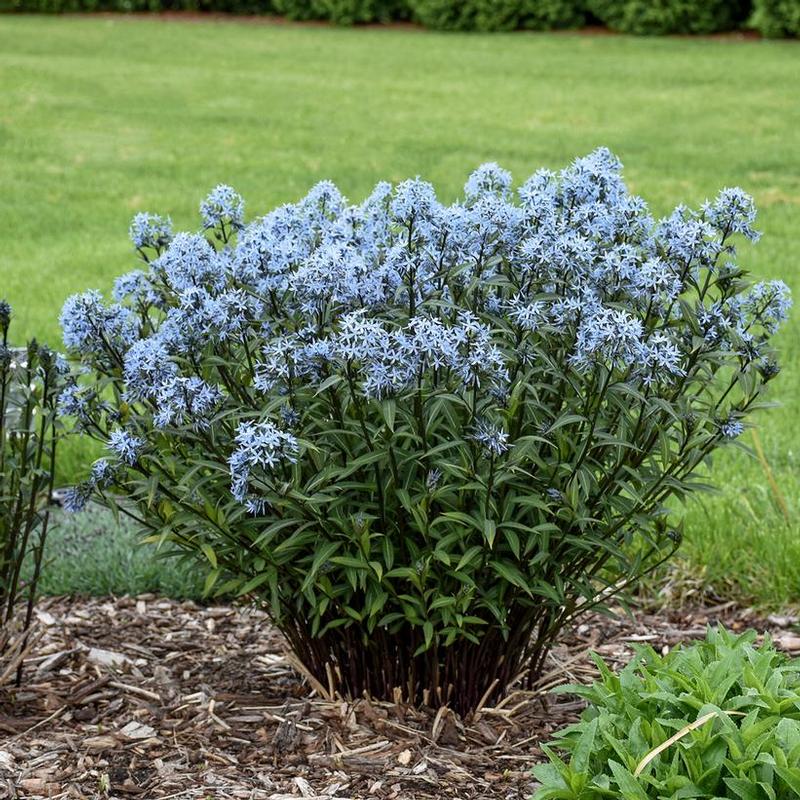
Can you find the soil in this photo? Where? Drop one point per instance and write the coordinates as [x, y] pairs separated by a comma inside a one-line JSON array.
[[152, 698]]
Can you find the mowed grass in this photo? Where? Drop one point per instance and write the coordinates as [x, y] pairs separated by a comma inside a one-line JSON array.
[[100, 118]]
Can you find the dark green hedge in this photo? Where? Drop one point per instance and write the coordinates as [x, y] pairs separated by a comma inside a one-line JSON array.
[[128, 6], [776, 18], [772, 18], [654, 17], [342, 12], [499, 15]]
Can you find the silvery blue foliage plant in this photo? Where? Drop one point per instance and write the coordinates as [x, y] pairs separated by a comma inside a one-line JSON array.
[[426, 435]]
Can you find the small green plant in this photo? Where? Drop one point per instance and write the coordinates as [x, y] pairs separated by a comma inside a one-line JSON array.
[[720, 718], [30, 379]]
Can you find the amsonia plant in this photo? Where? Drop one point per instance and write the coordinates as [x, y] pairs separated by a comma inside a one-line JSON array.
[[425, 434]]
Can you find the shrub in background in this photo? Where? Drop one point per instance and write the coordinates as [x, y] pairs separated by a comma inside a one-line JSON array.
[[444, 15], [499, 15], [552, 14], [426, 435], [129, 6], [720, 718], [342, 12], [300, 9], [776, 18], [651, 17], [772, 17], [350, 12], [30, 380]]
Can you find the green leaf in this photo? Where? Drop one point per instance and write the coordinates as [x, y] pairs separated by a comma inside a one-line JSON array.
[[511, 573], [747, 790], [489, 531], [323, 554], [629, 787], [582, 753], [791, 777], [389, 411], [209, 553], [211, 579]]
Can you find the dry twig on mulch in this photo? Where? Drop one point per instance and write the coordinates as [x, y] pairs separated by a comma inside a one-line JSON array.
[[153, 698]]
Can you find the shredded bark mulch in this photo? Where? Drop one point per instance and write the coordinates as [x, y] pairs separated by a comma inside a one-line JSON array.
[[152, 698]]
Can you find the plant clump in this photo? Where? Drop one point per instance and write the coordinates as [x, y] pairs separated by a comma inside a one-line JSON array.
[[426, 435], [31, 379], [720, 718]]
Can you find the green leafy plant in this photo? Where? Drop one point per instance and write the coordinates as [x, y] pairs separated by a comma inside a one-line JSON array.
[[720, 718], [30, 379], [652, 17], [427, 435], [776, 18]]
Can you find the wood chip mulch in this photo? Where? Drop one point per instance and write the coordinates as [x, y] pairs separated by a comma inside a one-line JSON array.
[[151, 698]]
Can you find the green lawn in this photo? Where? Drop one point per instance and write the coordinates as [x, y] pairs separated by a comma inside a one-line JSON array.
[[100, 118]]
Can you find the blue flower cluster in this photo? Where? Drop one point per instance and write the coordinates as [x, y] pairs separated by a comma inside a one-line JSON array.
[[92, 328], [150, 231], [405, 294], [731, 428], [491, 438], [126, 446], [102, 476], [183, 400], [223, 207], [258, 445]]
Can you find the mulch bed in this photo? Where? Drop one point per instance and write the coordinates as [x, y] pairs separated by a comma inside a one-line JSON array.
[[152, 698]]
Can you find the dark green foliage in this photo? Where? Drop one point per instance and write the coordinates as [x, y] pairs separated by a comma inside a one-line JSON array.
[[553, 14], [772, 17], [445, 15], [341, 12], [744, 704], [654, 17], [349, 12], [29, 382], [299, 9], [776, 18], [499, 15], [131, 6]]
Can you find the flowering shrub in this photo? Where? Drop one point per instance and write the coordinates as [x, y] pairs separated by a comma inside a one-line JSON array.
[[720, 718], [30, 380], [426, 435]]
